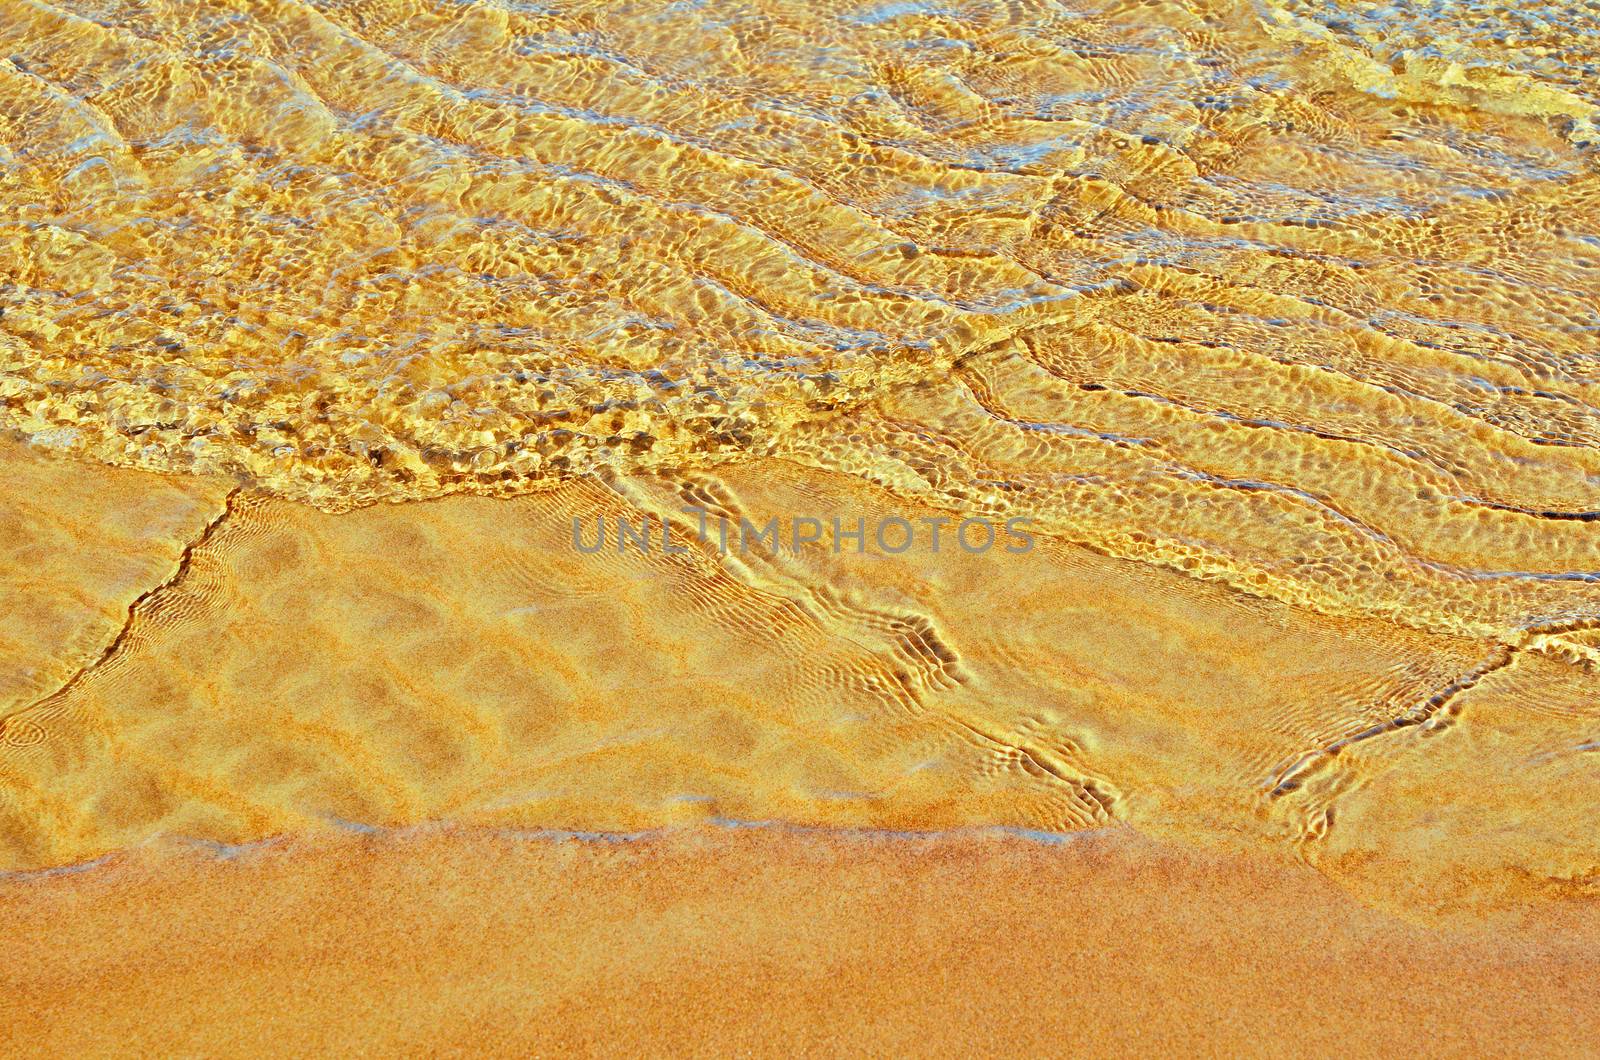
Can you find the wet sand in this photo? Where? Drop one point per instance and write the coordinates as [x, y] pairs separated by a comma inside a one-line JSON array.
[[762, 941]]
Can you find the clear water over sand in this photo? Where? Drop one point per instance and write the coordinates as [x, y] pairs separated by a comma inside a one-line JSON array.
[[323, 321]]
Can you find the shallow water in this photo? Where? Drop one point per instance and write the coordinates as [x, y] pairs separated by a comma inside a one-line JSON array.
[[1279, 323], [1300, 298]]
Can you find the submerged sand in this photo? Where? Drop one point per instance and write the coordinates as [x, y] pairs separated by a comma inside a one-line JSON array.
[[460, 660]]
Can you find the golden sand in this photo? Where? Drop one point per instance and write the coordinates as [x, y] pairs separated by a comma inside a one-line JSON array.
[[323, 322], [766, 943]]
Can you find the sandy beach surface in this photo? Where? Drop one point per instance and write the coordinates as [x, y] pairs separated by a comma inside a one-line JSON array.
[[215, 840], [766, 942], [762, 526]]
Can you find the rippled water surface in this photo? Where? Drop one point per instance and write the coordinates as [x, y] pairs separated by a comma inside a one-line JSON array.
[[1264, 304], [1298, 297]]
